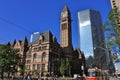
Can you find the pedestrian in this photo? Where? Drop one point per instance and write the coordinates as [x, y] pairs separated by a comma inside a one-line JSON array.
[[24, 77], [84, 76], [12, 77], [39, 78], [28, 77]]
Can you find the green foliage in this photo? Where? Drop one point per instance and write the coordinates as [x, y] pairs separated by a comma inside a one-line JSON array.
[[67, 66], [113, 29], [117, 40], [35, 72], [112, 21], [22, 69], [9, 59], [64, 66]]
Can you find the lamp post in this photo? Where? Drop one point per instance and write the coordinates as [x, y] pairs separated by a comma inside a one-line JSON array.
[[70, 70], [82, 68]]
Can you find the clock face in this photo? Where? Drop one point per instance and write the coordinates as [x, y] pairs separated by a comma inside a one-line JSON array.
[[64, 14]]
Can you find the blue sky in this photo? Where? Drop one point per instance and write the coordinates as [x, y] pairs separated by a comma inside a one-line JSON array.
[[31, 16], [117, 65]]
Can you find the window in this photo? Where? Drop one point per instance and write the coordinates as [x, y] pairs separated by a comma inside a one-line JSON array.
[[43, 67], [114, 6], [113, 1], [44, 47], [34, 56], [35, 49], [28, 56], [17, 50], [28, 61], [28, 66], [64, 26], [40, 48], [38, 66], [41, 39], [34, 66], [43, 56]]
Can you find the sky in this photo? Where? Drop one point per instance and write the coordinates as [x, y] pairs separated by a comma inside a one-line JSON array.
[[19, 18], [117, 65]]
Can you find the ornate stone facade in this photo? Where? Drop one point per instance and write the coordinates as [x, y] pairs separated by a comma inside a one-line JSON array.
[[45, 54]]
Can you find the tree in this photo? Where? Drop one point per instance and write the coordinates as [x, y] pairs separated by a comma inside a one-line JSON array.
[[9, 59], [112, 30], [67, 66], [63, 67]]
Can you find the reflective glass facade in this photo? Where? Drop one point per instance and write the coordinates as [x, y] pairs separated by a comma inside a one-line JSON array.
[[90, 31], [34, 36]]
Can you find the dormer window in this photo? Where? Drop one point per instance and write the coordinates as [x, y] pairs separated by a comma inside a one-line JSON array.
[[41, 39], [54, 39]]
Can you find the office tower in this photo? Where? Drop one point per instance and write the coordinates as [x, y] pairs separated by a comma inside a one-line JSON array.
[[91, 38], [34, 36]]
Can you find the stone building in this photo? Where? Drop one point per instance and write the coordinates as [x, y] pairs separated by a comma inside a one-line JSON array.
[[116, 4], [45, 54], [21, 47]]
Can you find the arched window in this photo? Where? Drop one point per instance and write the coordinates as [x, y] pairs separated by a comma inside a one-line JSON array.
[[43, 56], [41, 39], [34, 56]]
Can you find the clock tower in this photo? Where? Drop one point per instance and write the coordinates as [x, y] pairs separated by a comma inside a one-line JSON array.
[[65, 28]]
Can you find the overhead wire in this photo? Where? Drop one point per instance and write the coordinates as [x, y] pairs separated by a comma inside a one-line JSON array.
[[16, 25]]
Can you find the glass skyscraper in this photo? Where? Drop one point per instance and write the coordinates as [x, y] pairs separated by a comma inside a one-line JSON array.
[[34, 36], [91, 36]]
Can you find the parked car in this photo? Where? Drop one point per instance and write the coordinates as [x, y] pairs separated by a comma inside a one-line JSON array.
[[118, 76]]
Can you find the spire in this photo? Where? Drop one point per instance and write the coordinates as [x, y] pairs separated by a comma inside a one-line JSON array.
[[65, 8], [25, 40], [8, 43], [14, 42]]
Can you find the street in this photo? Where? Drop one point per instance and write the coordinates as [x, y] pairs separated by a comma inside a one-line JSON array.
[[113, 78]]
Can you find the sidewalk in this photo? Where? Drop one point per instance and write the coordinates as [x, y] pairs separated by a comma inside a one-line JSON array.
[[113, 78]]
